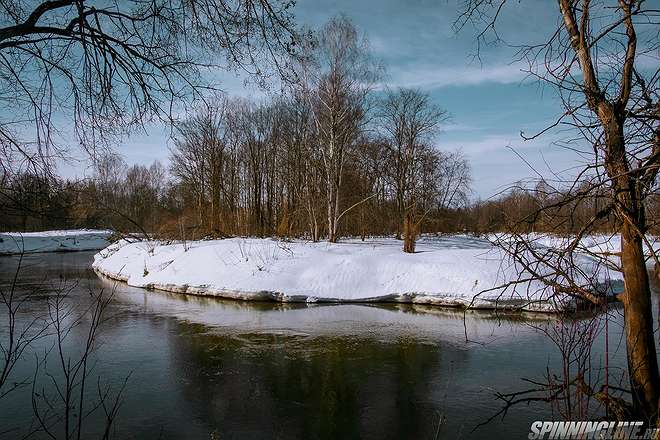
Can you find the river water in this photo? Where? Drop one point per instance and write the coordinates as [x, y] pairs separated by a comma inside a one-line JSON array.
[[202, 368]]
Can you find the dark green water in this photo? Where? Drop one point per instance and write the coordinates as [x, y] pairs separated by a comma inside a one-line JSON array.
[[201, 367]]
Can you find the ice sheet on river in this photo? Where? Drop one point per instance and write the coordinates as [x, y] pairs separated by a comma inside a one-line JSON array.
[[454, 270], [53, 241]]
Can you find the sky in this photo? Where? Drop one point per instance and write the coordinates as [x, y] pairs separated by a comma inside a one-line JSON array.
[[490, 100]]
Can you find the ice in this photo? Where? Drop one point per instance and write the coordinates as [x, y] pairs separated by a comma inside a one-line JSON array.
[[53, 241]]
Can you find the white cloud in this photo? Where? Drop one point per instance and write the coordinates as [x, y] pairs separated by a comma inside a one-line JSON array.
[[496, 161], [431, 77]]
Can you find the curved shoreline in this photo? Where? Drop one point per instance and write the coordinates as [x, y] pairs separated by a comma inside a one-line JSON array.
[[453, 272], [511, 306]]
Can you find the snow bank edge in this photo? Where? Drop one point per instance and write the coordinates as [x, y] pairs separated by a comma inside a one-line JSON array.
[[434, 299]]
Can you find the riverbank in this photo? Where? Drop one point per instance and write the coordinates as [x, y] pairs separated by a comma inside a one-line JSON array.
[[454, 271], [53, 241]]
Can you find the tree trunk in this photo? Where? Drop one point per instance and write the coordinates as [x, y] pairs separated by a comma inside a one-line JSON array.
[[642, 357], [330, 207], [215, 209], [409, 233], [333, 213], [638, 317], [400, 215], [332, 238], [363, 229], [335, 216]]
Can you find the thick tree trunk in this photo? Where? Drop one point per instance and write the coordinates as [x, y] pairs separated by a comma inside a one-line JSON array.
[[642, 356], [409, 233], [638, 317], [333, 234]]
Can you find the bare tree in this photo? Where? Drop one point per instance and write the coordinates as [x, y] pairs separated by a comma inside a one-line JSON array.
[[62, 397], [579, 389], [63, 401], [302, 167], [594, 58], [141, 194], [454, 180], [244, 168], [198, 156], [82, 73], [410, 121], [337, 76], [18, 339]]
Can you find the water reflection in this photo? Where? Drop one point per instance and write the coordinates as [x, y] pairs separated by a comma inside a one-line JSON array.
[[294, 387], [259, 370]]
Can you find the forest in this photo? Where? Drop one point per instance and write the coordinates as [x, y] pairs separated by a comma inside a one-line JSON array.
[[275, 201]]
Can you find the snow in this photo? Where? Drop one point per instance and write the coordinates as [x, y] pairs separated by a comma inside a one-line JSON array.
[[53, 241], [599, 245], [456, 270]]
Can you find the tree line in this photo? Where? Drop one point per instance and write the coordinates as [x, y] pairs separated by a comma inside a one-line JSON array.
[[153, 199]]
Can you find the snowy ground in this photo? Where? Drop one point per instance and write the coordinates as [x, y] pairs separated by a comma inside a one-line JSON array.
[[599, 245], [53, 241], [451, 270]]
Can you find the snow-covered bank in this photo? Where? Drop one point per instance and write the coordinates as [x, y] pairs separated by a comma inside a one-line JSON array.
[[450, 271], [53, 241], [603, 246], [600, 244]]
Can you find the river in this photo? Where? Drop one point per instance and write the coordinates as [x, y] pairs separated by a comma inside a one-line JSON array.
[[201, 368]]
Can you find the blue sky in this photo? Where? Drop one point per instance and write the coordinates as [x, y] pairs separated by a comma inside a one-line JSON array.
[[490, 102]]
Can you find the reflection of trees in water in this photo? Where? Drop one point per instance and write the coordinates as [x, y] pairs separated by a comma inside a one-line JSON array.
[[300, 387]]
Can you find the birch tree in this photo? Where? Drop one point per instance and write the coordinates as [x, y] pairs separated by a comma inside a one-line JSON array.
[[337, 76]]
